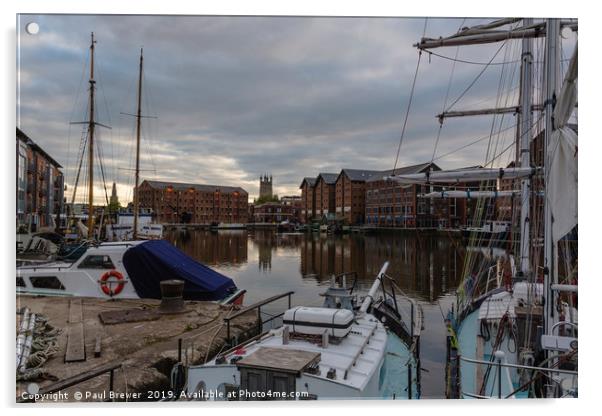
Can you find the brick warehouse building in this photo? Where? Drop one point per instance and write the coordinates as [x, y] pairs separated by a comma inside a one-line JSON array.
[[174, 202], [39, 186], [325, 188], [272, 213], [350, 200], [391, 204], [308, 199]]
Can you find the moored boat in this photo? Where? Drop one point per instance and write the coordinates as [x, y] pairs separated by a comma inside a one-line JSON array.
[[132, 269], [331, 352]]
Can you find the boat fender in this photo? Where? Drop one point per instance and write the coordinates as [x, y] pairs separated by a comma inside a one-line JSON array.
[[107, 281]]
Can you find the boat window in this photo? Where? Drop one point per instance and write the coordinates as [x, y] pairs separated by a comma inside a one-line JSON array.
[[46, 282], [96, 262], [20, 282]]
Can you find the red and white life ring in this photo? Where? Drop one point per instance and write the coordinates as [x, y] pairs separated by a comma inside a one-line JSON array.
[[108, 280]]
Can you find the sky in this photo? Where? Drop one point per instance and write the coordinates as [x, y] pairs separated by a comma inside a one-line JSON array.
[[230, 98]]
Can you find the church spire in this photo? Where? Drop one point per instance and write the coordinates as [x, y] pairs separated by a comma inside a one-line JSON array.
[[114, 199]]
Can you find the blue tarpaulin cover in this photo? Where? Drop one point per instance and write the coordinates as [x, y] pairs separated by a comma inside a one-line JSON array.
[[153, 261]]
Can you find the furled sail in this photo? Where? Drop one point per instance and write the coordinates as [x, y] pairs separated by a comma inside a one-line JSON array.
[[562, 156], [470, 194], [463, 175]]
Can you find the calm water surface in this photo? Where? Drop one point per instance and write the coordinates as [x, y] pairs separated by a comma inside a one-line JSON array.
[[266, 263]]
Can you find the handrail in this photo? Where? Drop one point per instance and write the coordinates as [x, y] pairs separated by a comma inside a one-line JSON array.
[[557, 324], [79, 378], [414, 306], [525, 367], [257, 305], [254, 306]]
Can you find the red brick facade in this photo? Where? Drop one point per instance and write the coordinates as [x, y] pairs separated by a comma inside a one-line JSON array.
[[325, 194], [201, 204], [308, 200], [351, 195]]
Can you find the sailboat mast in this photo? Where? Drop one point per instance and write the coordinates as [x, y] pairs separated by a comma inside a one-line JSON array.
[[551, 77], [91, 126], [526, 118], [138, 118]]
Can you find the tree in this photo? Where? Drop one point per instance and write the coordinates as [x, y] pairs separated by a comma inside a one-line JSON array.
[[266, 198], [113, 207]]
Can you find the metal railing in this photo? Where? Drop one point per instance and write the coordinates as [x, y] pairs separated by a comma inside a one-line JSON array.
[[499, 364], [77, 379], [256, 306]]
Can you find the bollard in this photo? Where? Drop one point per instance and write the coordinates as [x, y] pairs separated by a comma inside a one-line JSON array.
[[172, 296]]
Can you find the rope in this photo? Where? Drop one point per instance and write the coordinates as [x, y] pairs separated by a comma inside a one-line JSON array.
[[405, 121], [221, 325], [477, 77], [44, 345], [470, 62], [451, 77]]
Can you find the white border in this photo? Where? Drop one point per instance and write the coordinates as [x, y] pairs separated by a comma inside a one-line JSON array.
[[589, 160]]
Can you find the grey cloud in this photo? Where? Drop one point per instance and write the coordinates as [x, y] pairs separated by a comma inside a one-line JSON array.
[[238, 96]]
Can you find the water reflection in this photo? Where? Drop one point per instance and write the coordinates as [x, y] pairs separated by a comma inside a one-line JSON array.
[[426, 267], [212, 248], [265, 263]]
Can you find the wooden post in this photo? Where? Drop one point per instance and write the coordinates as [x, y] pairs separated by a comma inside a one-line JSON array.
[[97, 345]]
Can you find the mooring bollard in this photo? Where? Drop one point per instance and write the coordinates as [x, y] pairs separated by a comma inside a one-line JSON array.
[[172, 296]]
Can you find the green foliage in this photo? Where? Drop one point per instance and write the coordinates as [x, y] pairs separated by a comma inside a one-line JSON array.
[[113, 207], [264, 199]]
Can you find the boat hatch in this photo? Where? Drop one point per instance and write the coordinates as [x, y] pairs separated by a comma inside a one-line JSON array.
[[273, 370]]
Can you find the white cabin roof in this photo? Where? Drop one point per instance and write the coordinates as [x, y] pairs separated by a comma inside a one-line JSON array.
[[355, 358]]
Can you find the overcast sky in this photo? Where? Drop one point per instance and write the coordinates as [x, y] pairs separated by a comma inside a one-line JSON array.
[[236, 97]]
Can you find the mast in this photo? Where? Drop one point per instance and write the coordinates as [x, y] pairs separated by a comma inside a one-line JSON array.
[[138, 118], [91, 126], [551, 78], [526, 92]]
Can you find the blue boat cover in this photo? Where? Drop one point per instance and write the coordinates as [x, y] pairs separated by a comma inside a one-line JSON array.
[[153, 261]]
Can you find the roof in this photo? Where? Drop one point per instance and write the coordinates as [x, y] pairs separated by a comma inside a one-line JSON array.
[[359, 174], [329, 178], [178, 186], [404, 170], [310, 181], [34, 146]]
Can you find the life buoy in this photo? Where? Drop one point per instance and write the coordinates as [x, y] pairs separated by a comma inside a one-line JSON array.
[[108, 280]]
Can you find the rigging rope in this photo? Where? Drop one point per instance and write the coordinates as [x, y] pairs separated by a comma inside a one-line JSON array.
[[476, 78], [403, 129], [451, 77], [102, 170]]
